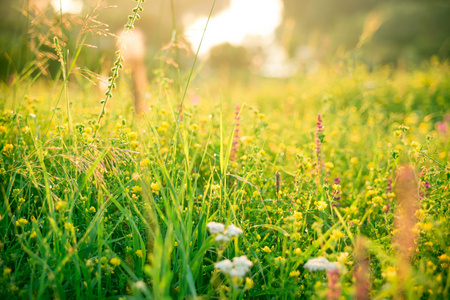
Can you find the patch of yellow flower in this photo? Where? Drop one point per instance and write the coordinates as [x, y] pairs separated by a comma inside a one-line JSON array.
[[321, 205], [155, 187], [7, 148], [60, 205], [267, 249], [294, 274], [144, 163], [329, 165], [136, 189], [115, 262], [444, 258], [132, 136], [139, 253], [21, 222], [336, 235]]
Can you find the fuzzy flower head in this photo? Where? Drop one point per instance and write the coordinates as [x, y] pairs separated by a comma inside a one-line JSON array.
[[320, 264], [238, 268], [222, 234], [222, 238], [224, 265], [242, 263], [233, 231], [215, 228]]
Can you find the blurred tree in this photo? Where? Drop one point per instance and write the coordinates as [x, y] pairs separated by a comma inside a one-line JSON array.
[[159, 20], [13, 46], [228, 56], [407, 29]]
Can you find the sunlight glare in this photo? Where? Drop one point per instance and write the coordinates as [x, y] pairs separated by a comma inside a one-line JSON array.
[[68, 6], [243, 19]]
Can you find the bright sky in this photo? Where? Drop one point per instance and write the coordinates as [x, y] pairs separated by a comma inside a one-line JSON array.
[[244, 18]]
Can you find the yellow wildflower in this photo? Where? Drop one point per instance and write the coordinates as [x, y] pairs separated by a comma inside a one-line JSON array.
[[267, 249], [294, 274], [134, 144], [144, 163], [132, 136], [336, 235], [60, 205], [329, 165], [7, 148], [92, 209], [21, 222], [6, 271], [69, 226], [427, 226], [136, 189], [115, 262], [444, 257], [161, 129], [414, 144], [321, 205], [193, 127], [155, 187], [139, 253], [247, 139], [354, 161], [248, 283]]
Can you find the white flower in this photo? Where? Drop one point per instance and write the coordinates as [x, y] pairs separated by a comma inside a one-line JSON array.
[[333, 266], [237, 273], [224, 265], [140, 285], [222, 238], [238, 268], [242, 263], [214, 227], [320, 264], [233, 231]]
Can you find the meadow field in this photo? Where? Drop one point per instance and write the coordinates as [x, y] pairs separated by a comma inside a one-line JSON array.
[[332, 184]]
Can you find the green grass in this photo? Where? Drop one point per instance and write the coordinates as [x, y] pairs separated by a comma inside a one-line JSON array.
[[118, 205]]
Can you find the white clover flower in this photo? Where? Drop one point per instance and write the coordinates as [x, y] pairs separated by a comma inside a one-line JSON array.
[[233, 231], [319, 264], [215, 228], [224, 265], [222, 238]]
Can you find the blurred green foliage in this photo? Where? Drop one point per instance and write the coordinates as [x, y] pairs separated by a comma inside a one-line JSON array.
[[376, 32], [404, 30]]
